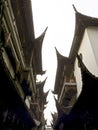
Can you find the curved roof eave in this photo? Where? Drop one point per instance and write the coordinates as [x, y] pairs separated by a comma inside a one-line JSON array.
[[82, 22], [40, 85], [38, 55], [62, 60]]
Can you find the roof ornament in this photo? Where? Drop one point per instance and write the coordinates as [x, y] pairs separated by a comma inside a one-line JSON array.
[[43, 34], [74, 8]]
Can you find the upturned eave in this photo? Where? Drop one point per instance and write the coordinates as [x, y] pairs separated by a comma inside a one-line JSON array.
[[82, 22]]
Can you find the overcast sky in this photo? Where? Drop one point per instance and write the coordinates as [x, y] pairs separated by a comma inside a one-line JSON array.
[[59, 17]]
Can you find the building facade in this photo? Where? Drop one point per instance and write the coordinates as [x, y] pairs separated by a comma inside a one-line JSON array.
[[84, 70], [20, 62]]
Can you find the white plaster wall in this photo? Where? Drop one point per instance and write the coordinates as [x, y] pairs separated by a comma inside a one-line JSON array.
[[93, 36], [88, 58]]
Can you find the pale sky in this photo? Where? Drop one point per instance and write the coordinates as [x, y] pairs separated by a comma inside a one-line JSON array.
[[59, 17]]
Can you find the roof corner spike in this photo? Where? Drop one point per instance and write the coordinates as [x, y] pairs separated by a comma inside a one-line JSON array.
[[46, 28], [74, 8], [43, 34]]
